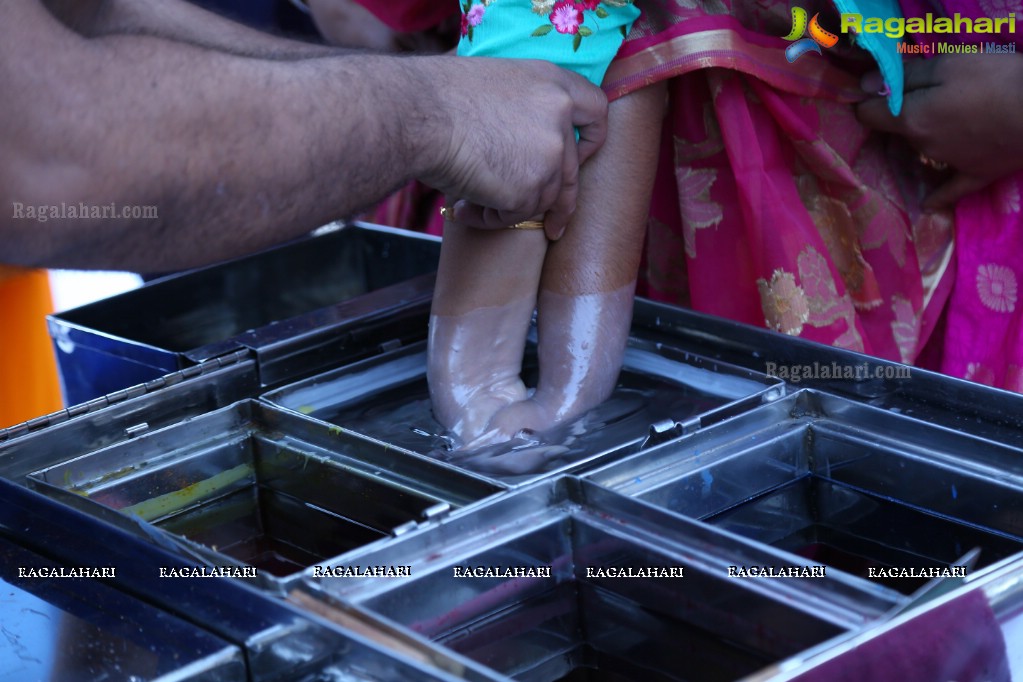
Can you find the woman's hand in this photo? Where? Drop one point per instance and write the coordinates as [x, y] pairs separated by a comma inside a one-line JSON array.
[[965, 111]]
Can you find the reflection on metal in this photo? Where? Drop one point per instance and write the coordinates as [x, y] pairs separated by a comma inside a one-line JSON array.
[[387, 399], [696, 624], [835, 482], [239, 487], [312, 302], [59, 628]]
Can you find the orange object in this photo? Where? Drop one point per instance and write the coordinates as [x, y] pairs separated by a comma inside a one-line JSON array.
[[825, 38], [28, 371]]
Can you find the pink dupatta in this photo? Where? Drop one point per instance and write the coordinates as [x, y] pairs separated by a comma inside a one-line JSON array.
[[774, 206]]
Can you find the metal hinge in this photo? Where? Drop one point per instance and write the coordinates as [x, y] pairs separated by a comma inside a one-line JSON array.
[[669, 429], [116, 397]]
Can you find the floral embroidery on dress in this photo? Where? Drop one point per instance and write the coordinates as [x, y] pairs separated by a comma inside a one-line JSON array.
[[837, 229], [696, 207], [783, 302], [826, 306], [566, 16], [472, 16], [996, 287]]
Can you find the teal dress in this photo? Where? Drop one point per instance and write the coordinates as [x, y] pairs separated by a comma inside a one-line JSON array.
[[581, 35]]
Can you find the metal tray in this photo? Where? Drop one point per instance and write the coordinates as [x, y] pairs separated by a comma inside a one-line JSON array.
[[579, 623], [663, 392], [972, 408], [138, 609], [970, 632], [85, 629], [297, 307], [859, 489], [250, 485]]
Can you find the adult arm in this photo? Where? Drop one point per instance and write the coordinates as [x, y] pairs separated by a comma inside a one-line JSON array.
[[965, 111], [238, 153]]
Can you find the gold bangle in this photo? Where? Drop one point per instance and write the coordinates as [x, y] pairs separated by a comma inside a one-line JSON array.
[[448, 213], [527, 225]]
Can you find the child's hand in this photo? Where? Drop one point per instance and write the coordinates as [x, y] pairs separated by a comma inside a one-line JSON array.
[[474, 362]]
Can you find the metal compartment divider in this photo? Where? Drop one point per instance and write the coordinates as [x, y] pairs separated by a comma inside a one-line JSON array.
[[838, 443], [250, 485], [281, 643], [61, 628], [125, 415], [840, 482], [999, 591], [927, 396], [530, 627], [663, 393]]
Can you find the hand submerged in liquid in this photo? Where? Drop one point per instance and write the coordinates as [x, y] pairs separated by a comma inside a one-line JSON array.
[[474, 362], [477, 392]]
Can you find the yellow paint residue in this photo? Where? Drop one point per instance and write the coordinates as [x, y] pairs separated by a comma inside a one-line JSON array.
[[178, 499]]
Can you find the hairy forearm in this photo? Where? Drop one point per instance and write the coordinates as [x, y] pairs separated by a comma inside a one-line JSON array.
[[235, 153]]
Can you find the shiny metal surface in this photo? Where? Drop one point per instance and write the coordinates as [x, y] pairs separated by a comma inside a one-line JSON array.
[[85, 629], [117, 418], [250, 485], [704, 625], [987, 413], [297, 307], [990, 604], [841, 483], [700, 461], [281, 643], [386, 398]]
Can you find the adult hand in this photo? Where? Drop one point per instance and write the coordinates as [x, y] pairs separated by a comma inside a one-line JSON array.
[[965, 111], [503, 139]]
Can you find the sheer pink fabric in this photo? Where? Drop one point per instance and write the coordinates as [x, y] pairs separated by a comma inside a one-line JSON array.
[[773, 205]]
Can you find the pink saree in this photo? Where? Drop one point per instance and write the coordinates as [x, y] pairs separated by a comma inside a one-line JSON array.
[[773, 206]]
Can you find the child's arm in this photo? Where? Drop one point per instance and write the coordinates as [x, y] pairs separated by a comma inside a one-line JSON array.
[[488, 281], [589, 276], [483, 304]]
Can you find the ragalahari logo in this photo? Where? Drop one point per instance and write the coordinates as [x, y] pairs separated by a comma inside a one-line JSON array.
[[818, 36]]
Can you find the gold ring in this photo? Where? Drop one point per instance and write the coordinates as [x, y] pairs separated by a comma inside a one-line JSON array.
[[447, 213], [527, 225]]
